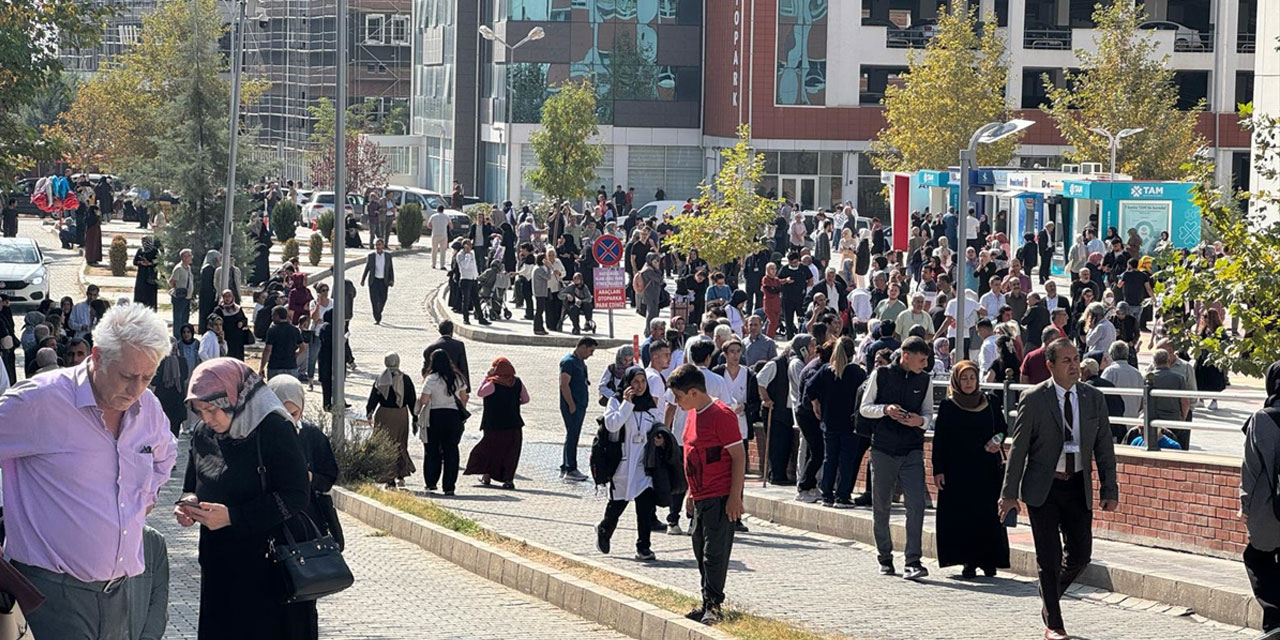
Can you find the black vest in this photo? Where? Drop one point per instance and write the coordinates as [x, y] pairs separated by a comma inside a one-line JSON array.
[[502, 408], [895, 385], [780, 386]]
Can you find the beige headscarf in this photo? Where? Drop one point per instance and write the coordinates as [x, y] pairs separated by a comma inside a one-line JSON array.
[[391, 379]]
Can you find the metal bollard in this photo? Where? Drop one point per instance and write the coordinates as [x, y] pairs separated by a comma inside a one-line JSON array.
[[1150, 434]]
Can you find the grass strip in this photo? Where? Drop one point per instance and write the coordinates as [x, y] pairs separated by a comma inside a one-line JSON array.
[[737, 623]]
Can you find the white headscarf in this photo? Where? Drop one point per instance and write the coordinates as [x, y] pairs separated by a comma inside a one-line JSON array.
[[391, 378]]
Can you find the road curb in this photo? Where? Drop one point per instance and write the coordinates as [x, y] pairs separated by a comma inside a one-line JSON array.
[[1229, 606], [574, 595], [439, 309]]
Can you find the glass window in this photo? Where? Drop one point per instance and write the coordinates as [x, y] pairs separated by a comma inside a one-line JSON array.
[[801, 63], [373, 28], [770, 162]]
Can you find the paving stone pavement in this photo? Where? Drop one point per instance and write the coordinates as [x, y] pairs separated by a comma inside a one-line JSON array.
[[402, 592]]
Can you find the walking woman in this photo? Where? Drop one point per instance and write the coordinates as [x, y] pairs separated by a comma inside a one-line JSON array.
[[443, 395], [246, 479], [170, 386], [833, 395], [391, 409], [208, 287], [146, 283], [967, 471], [93, 235], [772, 287], [299, 298], [322, 465], [498, 453], [234, 325], [629, 419]]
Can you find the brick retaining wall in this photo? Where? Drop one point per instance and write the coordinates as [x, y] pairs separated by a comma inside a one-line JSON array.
[[1181, 501]]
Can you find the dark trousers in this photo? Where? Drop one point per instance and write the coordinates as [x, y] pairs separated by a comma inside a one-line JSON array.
[[781, 436], [755, 295], [1263, 568], [645, 506], [526, 293], [75, 610], [1062, 529], [712, 533], [181, 315], [377, 296], [441, 449], [677, 506], [790, 308], [572, 431], [541, 315], [554, 319], [1046, 267], [844, 452], [811, 430], [468, 299]]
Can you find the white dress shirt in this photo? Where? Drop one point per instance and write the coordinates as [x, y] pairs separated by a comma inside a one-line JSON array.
[[1073, 428], [380, 265]]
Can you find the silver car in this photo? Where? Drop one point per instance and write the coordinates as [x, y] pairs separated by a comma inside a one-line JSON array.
[[23, 274]]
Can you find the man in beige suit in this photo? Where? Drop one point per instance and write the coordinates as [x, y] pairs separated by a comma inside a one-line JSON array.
[[1060, 427]]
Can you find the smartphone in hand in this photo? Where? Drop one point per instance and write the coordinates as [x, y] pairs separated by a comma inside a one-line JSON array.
[[188, 502]]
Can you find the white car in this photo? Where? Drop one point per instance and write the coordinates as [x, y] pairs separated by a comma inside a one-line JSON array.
[[320, 202], [1183, 36], [661, 209], [23, 275]]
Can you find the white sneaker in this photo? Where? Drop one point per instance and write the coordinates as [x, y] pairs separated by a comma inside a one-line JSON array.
[[809, 497]]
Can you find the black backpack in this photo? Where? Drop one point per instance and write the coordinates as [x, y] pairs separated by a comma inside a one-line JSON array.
[[606, 455]]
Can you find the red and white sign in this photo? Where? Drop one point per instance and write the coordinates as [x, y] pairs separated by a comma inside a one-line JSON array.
[[611, 288]]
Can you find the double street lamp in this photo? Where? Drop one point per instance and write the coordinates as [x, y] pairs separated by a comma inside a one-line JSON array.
[[1113, 141], [985, 134], [535, 33]]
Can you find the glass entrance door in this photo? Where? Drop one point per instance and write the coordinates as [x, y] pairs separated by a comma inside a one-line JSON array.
[[802, 189]]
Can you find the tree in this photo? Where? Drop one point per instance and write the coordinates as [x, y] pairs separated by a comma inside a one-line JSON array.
[[366, 163], [111, 123], [1124, 85], [566, 160], [949, 91], [192, 132], [31, 32], [734, 216]]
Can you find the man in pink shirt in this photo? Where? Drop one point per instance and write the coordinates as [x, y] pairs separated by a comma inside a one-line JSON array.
[[84, 450]]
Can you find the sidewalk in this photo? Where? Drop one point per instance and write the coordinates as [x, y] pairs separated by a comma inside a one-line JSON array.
[[825, 583]]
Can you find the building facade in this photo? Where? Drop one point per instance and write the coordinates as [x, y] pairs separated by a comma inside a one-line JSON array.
[[676, 77], [1266, 100]]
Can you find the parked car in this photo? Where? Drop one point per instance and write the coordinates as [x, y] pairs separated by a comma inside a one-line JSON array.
[[1184, 37], [661, 209], [1041, 35], [919, 33], [322, 201], [23, 274], [430, 201]]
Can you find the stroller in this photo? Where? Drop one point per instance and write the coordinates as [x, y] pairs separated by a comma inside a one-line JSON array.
[[493, 292]]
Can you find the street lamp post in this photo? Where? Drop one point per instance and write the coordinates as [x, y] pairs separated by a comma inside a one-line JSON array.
[[985, 134], [535, 33], [237, 65], [338, 363], [1113, 141]]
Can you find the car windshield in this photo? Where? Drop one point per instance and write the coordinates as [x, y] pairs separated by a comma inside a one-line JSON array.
[[434, 202], [325, 198], [18, 254]]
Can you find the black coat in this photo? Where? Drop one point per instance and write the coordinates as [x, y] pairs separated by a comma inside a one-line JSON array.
[[457, 355], [841, 293], [664, 465]]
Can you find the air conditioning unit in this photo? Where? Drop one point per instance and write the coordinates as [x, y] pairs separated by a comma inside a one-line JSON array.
[[1071, 168], [1088, 168]]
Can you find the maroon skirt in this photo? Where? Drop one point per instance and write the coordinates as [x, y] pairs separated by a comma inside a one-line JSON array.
[[497, 454]]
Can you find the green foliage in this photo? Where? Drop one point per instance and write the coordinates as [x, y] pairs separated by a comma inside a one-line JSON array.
[[365, 458], [284, 220], [952, 89], [290, 250], [118, 256], [409, 224], [1125, 85], [734, 215], [1245, 281], [315, 249], [32, 32], [566, 160], [478, 211], [324, 223]]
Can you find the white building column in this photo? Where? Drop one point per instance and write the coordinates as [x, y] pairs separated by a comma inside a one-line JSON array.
[[1266, 97], [1015, 32], [621, 166], [515, 173], [1223, 76], [849, 181]]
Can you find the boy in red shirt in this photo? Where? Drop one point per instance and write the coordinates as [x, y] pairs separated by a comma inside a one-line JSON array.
[[715, 463]]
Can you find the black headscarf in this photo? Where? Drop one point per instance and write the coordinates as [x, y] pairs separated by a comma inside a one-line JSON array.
[[643, 402], [1273, 383]]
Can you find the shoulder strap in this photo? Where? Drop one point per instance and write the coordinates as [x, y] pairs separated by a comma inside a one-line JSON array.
[[262, 468]]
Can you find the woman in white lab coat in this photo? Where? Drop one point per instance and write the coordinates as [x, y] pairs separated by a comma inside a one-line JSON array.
[[630, 416]]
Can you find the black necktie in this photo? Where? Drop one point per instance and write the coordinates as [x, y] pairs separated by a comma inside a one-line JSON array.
[[1069, 416]]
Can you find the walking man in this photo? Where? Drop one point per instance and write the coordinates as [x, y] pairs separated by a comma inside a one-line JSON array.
[[715, 462], [1061, 426], [1257, 478], [381, 275], [574, 394], [67, 433], [439, 224], [182, 285], [898, 400]]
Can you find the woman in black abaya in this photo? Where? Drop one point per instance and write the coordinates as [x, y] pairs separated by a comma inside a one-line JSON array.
[[208, 288]]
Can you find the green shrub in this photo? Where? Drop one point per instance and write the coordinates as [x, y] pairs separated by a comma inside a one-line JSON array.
[[290, 249], [324, 224], [315, 248], [119, 256], [409, 224], [284, 220], [365, 458], [478, 211]]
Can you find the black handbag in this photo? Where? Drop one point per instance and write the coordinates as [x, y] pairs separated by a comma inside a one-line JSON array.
[[306, 570], [463, 413]]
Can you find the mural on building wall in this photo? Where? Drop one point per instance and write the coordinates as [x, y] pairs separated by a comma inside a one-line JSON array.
[[801, 77]]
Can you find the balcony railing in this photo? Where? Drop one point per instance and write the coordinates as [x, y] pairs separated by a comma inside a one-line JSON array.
[[906, 38], [1246, 42], [1055, 39], [1193, 43]]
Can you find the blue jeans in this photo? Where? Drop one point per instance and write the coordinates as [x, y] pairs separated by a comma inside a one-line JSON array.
[[572, 430], [313, 355], [181, 315], [271, 373]]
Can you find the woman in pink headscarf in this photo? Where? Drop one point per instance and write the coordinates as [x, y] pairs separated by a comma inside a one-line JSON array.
[[246, 479], [299, 298]]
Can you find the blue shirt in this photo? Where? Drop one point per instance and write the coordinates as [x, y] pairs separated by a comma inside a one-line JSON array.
[[577, 370], [719, 292]]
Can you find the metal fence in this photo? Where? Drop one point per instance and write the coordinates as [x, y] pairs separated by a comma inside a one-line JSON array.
[[1150, 427]]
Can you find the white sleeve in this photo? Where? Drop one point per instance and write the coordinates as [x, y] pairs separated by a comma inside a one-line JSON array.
[[767, 372], [869, 409], [617, 414]]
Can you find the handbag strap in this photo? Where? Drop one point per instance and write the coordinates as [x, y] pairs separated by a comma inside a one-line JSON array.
[[262, 477]]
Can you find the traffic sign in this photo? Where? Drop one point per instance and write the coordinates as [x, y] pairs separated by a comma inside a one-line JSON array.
[[607, 250], [611, 288]]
